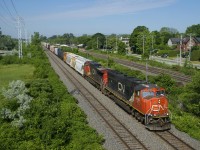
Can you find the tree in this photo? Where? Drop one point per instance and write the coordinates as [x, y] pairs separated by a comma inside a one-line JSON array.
[[169, 30], [191, 97], [84, 39], [98, 39], [194, 29], [156, 38], [6, 42], [35, 38], [135, 38], [121, 48]]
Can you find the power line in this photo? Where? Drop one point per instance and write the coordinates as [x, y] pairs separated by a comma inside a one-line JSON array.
[[13, 18], [4, 20], [5, 11], [14, 7]]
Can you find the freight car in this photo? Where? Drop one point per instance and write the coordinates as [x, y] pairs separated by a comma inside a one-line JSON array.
[[147, 102], [79, 64]]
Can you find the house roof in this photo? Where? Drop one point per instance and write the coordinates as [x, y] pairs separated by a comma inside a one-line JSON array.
[[197, 39], [175, 40]]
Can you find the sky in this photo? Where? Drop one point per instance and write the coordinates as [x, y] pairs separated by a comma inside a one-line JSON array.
[[56, 17]]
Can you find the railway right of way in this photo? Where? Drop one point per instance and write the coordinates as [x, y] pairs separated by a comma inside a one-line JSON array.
[[121, 131], [125, 138]]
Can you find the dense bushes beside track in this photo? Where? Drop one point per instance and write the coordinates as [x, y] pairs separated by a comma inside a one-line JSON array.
[[53, 119]]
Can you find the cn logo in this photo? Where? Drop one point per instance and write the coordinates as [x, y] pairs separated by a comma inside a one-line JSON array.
[[93, 71], [121, 87]]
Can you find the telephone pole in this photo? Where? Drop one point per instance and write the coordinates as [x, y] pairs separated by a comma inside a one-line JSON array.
[[143, 44], [190, 44], [97, 42], [180, 49], [116, 42], [19, 37]]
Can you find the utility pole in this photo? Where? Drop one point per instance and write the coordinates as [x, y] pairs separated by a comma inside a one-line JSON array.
[[19, 37], [180, 49], [152, 42], [97, 42], [146, 71], [151, 46], [116, 42], [106, 42], [190, 44], [143, 43], [26, 37]]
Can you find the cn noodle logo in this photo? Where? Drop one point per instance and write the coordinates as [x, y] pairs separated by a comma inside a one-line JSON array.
[[121, 88]]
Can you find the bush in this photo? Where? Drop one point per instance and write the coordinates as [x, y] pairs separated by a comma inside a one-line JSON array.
[[195, 55], [171, 53]]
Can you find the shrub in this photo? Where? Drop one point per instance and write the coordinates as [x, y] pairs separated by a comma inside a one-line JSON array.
[[195, 55]]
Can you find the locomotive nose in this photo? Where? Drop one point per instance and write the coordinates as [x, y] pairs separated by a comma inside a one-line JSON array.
[[158, 106]]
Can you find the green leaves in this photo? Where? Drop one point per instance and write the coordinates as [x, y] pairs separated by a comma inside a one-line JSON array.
[[191, 96]]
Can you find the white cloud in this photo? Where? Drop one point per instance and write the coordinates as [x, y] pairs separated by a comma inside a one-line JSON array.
[[100, 8]]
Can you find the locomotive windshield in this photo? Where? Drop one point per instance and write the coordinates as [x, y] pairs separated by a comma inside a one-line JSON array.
[[160, 93], [147, 93]]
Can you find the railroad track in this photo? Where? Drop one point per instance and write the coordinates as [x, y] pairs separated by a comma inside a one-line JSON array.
[[126, 139], [174, 141], [175, 75]]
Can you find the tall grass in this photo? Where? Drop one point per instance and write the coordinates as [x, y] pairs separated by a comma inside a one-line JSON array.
[[12, 72]]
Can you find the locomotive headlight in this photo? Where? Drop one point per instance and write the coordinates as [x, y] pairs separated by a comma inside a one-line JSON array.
[[159, 101]]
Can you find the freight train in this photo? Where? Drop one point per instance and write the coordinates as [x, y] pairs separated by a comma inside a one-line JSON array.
[[145, 101]]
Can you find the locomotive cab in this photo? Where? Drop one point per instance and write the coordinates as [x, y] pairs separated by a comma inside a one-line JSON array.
[[152, 107]]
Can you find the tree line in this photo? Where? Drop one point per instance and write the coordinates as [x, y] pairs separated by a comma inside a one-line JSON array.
[[141, 38]]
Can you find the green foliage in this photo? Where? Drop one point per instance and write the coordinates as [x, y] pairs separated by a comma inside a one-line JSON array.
[[195, 55], [6, 42], [16, 95], [171, 53], [165, 81], [54, 121], [66, 38], [187, 123], [35, 38], [110, 62], [98, 40], [194, 29], [139, 38], [191, 97], [121, 48]]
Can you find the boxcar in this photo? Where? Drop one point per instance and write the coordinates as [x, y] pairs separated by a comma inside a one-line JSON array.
[[71, 59], [60, 53]]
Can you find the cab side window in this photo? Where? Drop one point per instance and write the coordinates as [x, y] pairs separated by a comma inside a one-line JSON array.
[[137, 93]]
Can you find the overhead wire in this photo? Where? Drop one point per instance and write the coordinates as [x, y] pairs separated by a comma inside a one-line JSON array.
[[14, 8], [13, 18], [7, 19]]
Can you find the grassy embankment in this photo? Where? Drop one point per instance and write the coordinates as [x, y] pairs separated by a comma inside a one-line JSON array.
[[12, 72]]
